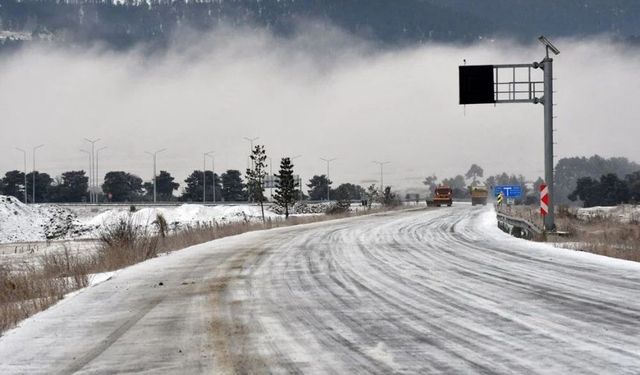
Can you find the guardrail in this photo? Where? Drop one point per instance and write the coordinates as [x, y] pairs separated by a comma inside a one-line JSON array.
[[518, 227]]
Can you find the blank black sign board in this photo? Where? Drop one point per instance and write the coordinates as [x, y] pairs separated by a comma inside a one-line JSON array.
[[476, 84]]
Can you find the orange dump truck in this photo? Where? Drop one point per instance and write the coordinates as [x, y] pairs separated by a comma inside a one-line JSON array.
[[442, 195], [479, 195]]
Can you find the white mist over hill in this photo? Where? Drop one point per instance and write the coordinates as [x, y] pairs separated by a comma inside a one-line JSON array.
[[320, 93]]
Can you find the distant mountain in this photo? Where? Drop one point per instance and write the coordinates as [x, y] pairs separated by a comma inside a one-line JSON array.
[[386, 22]]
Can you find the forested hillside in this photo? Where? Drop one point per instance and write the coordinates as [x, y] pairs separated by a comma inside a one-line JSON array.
[[123, 24]]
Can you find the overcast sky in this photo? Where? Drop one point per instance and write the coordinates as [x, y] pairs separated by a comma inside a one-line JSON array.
[[319, 94]]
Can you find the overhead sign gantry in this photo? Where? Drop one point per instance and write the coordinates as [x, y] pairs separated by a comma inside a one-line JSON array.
[[514, 83]]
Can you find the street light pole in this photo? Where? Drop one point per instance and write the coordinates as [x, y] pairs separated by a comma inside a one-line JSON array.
[[251, 140], [154, 155], [299, 180], [98, 168], [204, 176], [25, 173], [213, 172], [381, 164], [93, 170], [250, 161], [33, 198], [271, 179], [90, 170], [328, 188]]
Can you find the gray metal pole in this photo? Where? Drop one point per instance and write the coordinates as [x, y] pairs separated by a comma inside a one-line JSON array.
[[24, 153], [213, 172], [381, 164], [204, 176], [92, 178], [155, 174], [271, 179], [25, 176], [547, 65], [89, 172], [328, 188], [33, 175], [98, 168], [93, 172], [154, 177], [33, 198]]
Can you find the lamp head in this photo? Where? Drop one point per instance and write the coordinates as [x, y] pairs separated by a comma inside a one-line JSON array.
[[548, 44]]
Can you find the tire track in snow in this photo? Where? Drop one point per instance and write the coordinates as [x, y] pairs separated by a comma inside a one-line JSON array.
[[429, 292], [78, 364]]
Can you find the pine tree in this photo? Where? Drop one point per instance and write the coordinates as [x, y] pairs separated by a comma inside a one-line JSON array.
[[286, 192], [256, 175]]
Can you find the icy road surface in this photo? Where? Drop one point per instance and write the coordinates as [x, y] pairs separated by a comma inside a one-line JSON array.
[[433, 291]]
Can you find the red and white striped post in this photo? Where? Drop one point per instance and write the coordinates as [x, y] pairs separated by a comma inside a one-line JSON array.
[[544, 200]]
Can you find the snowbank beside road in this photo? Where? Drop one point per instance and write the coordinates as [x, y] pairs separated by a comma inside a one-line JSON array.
[[487, 226], [41, 222], [180, 216], [625, 213], [21, 223]]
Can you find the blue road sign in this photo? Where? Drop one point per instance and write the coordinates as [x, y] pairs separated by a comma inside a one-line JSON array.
[[509, 191]]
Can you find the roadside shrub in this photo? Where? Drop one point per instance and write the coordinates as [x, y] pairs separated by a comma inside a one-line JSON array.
[[161, 225], [125, 243], [339, 207]]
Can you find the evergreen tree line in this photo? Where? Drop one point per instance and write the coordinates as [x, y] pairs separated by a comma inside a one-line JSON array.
[[121, 186], [593, 180], [609, 190]]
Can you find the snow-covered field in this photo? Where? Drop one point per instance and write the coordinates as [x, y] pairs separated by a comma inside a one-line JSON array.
[[627, 214], [433, 291], [20, 223]]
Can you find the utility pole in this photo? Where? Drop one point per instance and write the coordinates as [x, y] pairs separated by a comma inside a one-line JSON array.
[[204, 175], [33, 198], [25, 173], [93, 170], [154, 155], [381, 164], [328, 161]]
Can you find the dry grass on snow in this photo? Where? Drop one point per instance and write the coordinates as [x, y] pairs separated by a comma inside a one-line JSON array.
[[31, 288], [35, 287], [601, 235]]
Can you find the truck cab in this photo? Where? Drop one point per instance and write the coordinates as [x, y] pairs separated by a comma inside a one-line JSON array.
[[442, 195]]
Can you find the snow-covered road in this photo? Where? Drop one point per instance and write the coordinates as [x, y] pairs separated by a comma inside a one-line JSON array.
[[431, 291]]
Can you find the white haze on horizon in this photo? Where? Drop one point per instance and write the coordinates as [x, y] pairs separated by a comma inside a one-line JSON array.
[[321, 93]]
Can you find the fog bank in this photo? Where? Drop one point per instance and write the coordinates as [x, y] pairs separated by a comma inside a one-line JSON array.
[[321, 93]]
